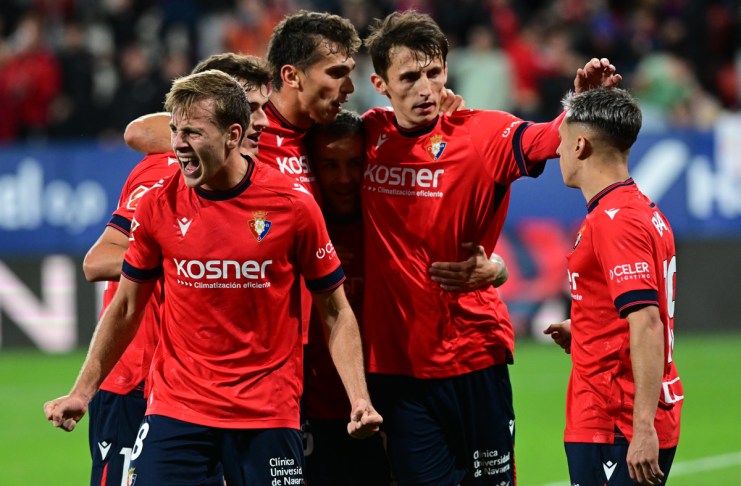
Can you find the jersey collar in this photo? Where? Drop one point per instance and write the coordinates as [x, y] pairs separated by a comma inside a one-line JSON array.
[[235, 191], [596, 199], [416, 132]]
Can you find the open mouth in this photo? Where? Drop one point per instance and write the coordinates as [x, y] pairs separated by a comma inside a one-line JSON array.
[[190, 165], [254, 137]]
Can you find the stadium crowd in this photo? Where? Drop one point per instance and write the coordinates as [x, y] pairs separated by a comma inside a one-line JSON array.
[[76, 69]]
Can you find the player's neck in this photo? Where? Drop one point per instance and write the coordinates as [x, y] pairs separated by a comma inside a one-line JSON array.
[[287, 103], [230, 176], [600, 174]]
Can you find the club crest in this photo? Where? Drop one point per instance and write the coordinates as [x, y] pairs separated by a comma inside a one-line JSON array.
[[436, 147], [259, 226]]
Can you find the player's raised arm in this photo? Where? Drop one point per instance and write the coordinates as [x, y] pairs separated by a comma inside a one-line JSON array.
[[114, 332], [149, 134], [474, 273], [343, 341]]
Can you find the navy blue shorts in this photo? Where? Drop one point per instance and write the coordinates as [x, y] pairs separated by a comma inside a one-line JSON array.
[[457, 430], [114, 421], [169, 451], [607, 463], [333, 458]]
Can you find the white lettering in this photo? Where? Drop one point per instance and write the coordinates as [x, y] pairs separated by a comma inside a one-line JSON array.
[[293, 165], [403, 176], [50, 322], [216, 269]]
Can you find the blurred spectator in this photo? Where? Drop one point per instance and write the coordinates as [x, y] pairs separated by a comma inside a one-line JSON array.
[[140, 90], [72, 111], [30, 79], [105, 78], [481, 72], [670, 94]]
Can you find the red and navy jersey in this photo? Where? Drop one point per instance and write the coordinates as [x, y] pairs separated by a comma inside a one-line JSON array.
[[230, 353], [624, 258], [324, 395], [426, 192], [133, 366], [282, 147]]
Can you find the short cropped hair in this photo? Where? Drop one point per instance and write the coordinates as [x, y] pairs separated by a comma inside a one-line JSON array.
[[347, 123], [253, 70], [410, 29], [615, 113], [229, 98], [296, 39]]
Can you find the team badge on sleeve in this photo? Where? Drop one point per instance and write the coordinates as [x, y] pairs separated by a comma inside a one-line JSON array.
[[436, 147], [259, 226]]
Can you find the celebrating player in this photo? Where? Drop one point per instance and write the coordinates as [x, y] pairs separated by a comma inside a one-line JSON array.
[[625, 397], [117, 410], [226, 375], [438, 360]]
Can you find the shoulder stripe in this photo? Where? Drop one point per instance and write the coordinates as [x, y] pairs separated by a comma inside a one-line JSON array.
[[328, 282], [537, 169], [138, 275], [636, 298]]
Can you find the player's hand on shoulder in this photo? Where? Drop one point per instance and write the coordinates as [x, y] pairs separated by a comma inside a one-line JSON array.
[[596, 73], [364, 420], [561, 334], [65, 412], [450, 102], [474, 273]]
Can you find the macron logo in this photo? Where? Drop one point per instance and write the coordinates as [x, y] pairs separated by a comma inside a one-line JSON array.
[[184, 225], [298, 187], [381, 140], [611, 212], [104, 448], [609, 468], [280, 140]]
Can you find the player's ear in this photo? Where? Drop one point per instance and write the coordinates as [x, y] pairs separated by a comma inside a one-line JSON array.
[[583, 147], [379, 84], [234, 136], [290, 75]]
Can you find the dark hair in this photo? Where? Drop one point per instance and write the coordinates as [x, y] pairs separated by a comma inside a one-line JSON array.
[[229, 99], [347, 123], [613, 112], [254, 71], [296, 39], [410, 29]]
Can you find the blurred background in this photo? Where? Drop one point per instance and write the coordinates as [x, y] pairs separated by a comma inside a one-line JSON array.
[[73, 73]]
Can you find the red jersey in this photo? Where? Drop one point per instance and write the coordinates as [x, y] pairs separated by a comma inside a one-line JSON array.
[[230, 353], [282, 147], [426, 192], [133, 366], [624, 256], [324, 395]]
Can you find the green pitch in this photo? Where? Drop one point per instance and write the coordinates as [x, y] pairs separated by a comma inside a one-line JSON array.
[[33, 453]]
